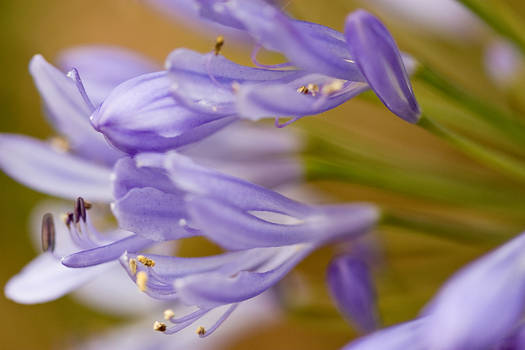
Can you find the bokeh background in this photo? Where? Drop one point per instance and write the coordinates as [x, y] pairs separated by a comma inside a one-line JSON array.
[[414, 263]]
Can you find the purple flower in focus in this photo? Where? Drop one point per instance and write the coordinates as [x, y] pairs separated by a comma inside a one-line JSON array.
[[270, 233], [352, 288], [332, 67]]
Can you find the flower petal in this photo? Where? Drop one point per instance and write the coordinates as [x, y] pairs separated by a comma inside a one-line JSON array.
[[400, 337], [39, 166], [140, 115], [152, 214], [68, 112], [286, 99], [457, 318], [104, 67], [45, 279], [351, 286], [380, 61], [233, 228]]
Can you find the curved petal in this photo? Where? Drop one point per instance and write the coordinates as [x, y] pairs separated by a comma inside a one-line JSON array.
[[140, 115], [199, 180], [352, 288], [380, 61], [104, 67], [287, 99], [39, 166], [236, 229], [152, 214], [127, 176], [108, 252], [45, 279], [309, 46], [204, 82], [69, 113], [215, 289], [399, 337], [458, 318]]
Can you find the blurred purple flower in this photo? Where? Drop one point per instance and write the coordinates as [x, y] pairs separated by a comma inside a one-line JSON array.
[[480, 308], [503, 63], [352, 288], [332, 67]]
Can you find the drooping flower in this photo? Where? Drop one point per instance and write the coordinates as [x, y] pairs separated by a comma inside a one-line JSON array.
[[332, 67], [270, 233], [351, 286]]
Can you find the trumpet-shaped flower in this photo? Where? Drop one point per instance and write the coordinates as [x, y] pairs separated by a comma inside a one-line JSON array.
[[332, 67]]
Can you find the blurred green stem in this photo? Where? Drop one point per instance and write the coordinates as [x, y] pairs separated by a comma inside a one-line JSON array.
[[501, 18], [504, 122], [489, 157]]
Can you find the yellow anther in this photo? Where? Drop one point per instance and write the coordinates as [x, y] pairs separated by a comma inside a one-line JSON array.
[[201, 331], [303, 90], [142, 279], [159, 326], [168, 314], [312, 88], [219, 42], [133, 266], [333, 86], [145, 261], [60, 144]]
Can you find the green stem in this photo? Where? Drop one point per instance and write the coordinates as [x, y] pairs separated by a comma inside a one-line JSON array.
[[494, 116], [417, 184], [501, 18], [491, 158], [439, 227]]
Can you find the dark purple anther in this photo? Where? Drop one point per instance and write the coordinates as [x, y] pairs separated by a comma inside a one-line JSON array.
[[48, 233]]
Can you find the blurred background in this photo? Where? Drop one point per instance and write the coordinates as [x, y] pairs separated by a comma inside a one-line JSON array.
[[414, 263]]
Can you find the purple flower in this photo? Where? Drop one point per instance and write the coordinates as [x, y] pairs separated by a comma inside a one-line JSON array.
[[78, 163], [503, 63], [140, 115], [333, 67], [270, 233], [352, 288], [481, 304], [480, 307]]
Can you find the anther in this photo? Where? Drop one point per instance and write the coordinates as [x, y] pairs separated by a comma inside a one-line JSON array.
[[68, 219], [48, 233], [183, 222], [312, 88], [201, 331], [159, 326], [142, 279], [303, 90], [219, 42], [145, 261], [80, 210], [168, 314], [132, 266]]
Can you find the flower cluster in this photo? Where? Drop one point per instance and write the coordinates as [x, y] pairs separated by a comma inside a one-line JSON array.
[[174, 153]]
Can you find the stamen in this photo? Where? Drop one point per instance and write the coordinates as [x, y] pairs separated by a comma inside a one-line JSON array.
[[223, 318], [48, 233], [256, 50], [182, 222], [219, 43], [333, 86], [313, 88], [60, 144], [73, 74], [159, 326], [80, 210], [303, 90], [142, 280], [146, 261], [133, 266], [68, 219], [201, 331], [279, 125], [168, 314]]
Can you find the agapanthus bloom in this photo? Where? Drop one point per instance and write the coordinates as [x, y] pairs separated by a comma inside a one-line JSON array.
[[331, 67]]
